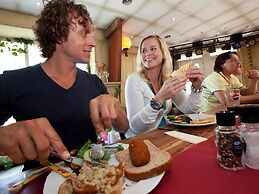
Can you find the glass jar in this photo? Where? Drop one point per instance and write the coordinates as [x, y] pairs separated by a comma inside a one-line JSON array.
[[250, 132], [228, 141]]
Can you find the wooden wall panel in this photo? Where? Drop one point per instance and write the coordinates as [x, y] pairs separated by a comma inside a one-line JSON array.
[[114, 34]]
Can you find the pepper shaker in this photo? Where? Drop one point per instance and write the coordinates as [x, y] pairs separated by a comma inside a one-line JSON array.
[[228, 141]]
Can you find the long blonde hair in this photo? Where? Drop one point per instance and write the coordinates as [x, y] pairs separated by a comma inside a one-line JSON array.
[[167, 66]]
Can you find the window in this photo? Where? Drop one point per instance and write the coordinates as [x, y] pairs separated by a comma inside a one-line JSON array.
[[33, 57], [10, 62]]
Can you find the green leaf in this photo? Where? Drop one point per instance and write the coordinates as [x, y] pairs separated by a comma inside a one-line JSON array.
[[2, 44], [14, 53], [15, 43], [106, 156], [85, 147]]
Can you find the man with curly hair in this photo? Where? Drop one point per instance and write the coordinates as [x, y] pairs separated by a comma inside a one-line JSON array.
[[56, 105]]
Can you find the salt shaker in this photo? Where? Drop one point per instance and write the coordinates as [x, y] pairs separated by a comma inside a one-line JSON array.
[[250, 132], [228, 141], [113, 136]]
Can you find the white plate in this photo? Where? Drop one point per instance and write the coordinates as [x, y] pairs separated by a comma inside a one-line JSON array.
[[195, 116], [54, 180]]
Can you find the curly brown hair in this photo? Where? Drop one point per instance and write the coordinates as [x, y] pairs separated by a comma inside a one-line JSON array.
[[55, 21]]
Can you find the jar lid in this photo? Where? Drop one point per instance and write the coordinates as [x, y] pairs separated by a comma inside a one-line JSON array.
[[249, 114], [226, 118]]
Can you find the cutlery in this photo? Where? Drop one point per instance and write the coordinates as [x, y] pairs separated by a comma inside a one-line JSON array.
[[75, 163], [28, 179], [63, 172]]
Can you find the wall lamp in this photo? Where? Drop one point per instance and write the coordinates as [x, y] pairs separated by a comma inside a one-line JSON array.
[[125, 45]]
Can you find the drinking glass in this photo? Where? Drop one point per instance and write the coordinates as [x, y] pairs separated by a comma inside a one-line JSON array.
[[232, 97]]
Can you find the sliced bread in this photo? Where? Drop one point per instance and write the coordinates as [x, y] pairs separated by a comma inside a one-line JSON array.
[[159, 162], [182, 71]]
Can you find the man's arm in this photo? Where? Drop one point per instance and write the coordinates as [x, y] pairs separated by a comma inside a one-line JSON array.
[[106, 112], [249, 98], [30, 140], [220, 96]]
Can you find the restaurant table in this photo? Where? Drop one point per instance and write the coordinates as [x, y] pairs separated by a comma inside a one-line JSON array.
[[157, 137], [194, 168]]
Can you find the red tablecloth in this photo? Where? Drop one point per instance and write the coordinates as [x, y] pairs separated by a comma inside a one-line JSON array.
[[196, 171]]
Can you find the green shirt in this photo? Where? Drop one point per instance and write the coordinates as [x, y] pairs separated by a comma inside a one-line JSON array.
[[213, 83]]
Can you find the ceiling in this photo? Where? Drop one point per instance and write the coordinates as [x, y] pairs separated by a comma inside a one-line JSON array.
[[181, 21]]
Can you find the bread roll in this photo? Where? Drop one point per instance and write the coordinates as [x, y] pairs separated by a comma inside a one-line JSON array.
[[160, 161], [139, 153]]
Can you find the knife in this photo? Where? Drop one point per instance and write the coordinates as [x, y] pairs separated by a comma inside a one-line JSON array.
[[76, 163], [63, 172]]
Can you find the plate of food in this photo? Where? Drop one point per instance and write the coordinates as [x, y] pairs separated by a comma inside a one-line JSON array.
[[192, 120], [138, 181]]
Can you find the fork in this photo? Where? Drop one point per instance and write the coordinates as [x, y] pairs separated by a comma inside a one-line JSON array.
[[75, 166]]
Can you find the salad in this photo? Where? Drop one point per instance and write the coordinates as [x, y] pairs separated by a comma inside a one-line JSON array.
[[105, 152], [183, 119]]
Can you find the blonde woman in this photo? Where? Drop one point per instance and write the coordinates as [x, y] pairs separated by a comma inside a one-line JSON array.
[[151, 92]]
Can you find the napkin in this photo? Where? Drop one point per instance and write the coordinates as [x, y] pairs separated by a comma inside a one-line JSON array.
[[186, 137]]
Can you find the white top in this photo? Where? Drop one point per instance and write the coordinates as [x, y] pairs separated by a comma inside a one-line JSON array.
[[139, 112]]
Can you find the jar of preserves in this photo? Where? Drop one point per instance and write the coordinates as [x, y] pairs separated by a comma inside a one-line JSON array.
[[250, 132], [228, 141]]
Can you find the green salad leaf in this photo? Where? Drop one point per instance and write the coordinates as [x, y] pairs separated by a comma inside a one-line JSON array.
[[86, 146], [84, 151], [183, 119]]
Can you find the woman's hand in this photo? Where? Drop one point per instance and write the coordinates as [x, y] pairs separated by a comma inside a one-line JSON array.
[[196, 76], [170, 88], [30, 140]]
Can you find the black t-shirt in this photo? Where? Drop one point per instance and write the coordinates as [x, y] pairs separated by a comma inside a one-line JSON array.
[[30, 93]]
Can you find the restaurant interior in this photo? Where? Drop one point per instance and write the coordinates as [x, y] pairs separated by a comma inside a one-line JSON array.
[[195, 31]]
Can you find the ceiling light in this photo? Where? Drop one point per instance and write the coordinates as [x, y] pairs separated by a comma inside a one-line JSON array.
[[236, 45], [188, 53], [126, 2], [168, 36], [177, 56], [252, 42], [227, 46], [199, 51], [212, 49]]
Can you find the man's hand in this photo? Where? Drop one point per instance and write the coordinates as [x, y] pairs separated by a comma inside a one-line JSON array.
[[30, 140], [253, 74], [105, 111]]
